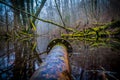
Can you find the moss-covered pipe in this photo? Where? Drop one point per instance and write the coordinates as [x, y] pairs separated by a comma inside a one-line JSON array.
[[56, 65]]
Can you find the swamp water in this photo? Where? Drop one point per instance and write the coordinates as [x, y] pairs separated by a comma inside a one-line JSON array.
[[91, 59]]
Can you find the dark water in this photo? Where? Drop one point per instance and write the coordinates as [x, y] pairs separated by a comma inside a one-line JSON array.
[[90, 59], [96, 59]]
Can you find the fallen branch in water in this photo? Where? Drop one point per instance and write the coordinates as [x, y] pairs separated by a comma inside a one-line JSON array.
[[109, 74]]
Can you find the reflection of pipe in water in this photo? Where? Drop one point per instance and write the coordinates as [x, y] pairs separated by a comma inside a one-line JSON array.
[[56, 65]]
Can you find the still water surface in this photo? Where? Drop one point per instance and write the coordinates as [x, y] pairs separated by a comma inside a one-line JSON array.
[[90, 59]]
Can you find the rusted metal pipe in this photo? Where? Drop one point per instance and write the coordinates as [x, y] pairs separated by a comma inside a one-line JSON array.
[[56, 65]]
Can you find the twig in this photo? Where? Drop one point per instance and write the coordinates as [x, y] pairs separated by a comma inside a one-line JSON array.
[[109, 73]]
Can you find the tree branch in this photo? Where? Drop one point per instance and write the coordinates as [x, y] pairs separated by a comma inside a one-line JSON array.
[[47, 21]]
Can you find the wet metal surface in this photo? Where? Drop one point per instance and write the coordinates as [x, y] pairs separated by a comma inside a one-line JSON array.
[[55, 65]]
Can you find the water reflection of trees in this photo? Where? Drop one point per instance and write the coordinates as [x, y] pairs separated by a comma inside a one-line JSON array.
[[95, 59], [113, 43], [20, 61], [6, 59]]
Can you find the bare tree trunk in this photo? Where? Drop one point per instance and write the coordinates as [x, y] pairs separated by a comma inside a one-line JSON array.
[[39, 10], [60, 13]]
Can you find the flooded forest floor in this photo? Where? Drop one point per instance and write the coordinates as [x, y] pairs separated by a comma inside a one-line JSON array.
[[95, 53], [91, 27]]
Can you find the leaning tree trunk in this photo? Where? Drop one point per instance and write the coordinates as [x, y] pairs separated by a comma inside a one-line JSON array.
[[39, 10]]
